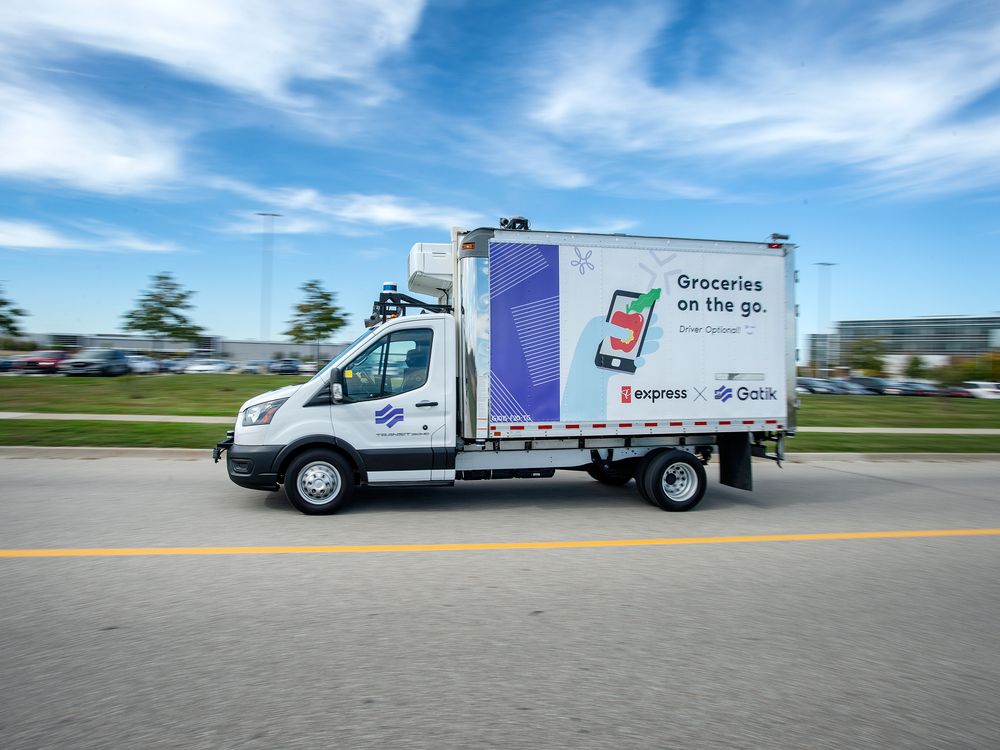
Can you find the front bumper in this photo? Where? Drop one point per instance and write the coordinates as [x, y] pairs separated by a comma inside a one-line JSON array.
[[251, 466]]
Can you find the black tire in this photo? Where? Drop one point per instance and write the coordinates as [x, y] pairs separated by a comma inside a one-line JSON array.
[[611, 478], [640, 474], [318, 482], [675, 480]]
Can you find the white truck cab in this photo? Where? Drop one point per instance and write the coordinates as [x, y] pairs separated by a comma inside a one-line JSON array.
[[525, 364]]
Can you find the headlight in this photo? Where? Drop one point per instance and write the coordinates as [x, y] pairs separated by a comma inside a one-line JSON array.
[[261, 413]]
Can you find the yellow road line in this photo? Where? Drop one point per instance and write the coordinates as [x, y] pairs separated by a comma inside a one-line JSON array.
[[471, 547]]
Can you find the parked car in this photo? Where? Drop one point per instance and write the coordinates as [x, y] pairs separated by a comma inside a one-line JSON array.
[[168, 365], [847, 388], [205, 366], [255, 367], [286, 367], [96, 362], [814, 385], [7, 364], [982, 388], [957, 391], [912, 389], [142, 365], [308, 368], [881, 386], [43, 362]]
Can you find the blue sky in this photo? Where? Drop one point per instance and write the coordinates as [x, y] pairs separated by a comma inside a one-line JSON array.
[[141, 136]]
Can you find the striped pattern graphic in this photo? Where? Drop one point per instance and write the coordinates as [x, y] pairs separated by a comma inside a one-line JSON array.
[[504, 407], [537, 325], [511, 264], [389, 416]]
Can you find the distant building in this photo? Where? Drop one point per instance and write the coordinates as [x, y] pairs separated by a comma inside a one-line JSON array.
[[824, 352], [936, 339]]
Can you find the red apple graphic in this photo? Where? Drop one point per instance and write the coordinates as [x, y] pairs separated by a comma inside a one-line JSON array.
[[633, 322]]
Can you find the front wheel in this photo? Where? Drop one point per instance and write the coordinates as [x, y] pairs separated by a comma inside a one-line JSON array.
[[675, 480], [318, 482]]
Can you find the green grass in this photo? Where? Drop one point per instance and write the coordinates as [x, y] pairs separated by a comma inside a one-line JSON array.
[[818, 442], [173, 435], [897, 411], [119, 434], [188, 395]]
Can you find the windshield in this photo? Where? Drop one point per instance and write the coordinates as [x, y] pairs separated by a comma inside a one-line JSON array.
[[93, 354], [336, 361]]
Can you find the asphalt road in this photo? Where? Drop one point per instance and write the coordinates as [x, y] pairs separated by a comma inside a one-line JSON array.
[[874, 643]]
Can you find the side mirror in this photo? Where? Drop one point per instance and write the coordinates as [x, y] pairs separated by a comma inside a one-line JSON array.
[[336, 386]]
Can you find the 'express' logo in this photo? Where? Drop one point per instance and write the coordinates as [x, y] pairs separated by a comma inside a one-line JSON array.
[[651, 394]]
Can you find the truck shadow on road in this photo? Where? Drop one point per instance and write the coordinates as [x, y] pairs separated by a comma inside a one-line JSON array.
[[545, 494]]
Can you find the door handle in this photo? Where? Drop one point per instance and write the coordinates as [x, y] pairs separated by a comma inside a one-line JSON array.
[[427, 403]]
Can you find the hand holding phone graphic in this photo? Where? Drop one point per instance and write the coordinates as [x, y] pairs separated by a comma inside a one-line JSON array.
[[585, 391], [631, 313]]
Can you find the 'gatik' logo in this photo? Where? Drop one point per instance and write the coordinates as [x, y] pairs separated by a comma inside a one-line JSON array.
[[723, 393], [626, 394], [389, 416]]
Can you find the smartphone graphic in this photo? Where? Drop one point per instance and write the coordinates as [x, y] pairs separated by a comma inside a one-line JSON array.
[[619, 354]]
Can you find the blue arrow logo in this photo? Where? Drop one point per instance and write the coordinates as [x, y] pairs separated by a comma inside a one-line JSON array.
[[723, 393], [389, 416]]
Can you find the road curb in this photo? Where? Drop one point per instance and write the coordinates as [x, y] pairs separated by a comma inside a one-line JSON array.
[[198, 454]]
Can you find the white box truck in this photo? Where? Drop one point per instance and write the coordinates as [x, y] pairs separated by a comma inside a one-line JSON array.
[[626, 357]]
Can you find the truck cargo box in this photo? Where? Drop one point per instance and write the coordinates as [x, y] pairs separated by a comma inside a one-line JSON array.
[[580, 335]]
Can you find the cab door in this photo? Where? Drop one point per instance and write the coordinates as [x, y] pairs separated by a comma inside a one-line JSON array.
[[393, 411]]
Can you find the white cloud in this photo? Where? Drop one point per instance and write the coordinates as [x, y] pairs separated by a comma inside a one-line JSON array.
[[25, 235], [258, 47], [317, 62], [248, 222], [50, 136], [308, 210], [516, 152], [887, 94], [604, 226]]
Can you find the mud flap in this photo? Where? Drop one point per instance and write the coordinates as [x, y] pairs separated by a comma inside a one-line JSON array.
[[734, 460]]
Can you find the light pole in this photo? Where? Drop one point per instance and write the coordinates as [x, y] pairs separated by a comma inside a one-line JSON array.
[[266, 251], [823, 310]]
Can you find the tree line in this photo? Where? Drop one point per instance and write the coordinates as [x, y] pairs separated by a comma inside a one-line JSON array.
[[162, 311], [868, 356]]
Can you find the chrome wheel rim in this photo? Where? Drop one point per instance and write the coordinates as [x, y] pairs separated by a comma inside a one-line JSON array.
[[679, 482], [318, 482]]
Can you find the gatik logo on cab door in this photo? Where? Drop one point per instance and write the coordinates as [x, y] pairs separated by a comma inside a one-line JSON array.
[[651, 394]]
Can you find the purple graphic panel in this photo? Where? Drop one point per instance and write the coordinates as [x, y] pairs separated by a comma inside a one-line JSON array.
[[524, 332]]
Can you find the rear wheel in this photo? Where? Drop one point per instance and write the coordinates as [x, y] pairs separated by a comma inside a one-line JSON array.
[[319, 482], [675, 480], [640, 474]]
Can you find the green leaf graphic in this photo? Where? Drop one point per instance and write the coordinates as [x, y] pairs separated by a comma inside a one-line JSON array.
[[643, 301]]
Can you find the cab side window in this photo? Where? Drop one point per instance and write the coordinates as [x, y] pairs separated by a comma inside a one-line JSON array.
[[395, 364]]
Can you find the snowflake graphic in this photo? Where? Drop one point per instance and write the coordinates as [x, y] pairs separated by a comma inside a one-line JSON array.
[[582, 261], [653, 269]]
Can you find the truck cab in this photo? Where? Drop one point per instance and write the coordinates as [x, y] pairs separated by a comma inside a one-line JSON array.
[[392, 420]]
